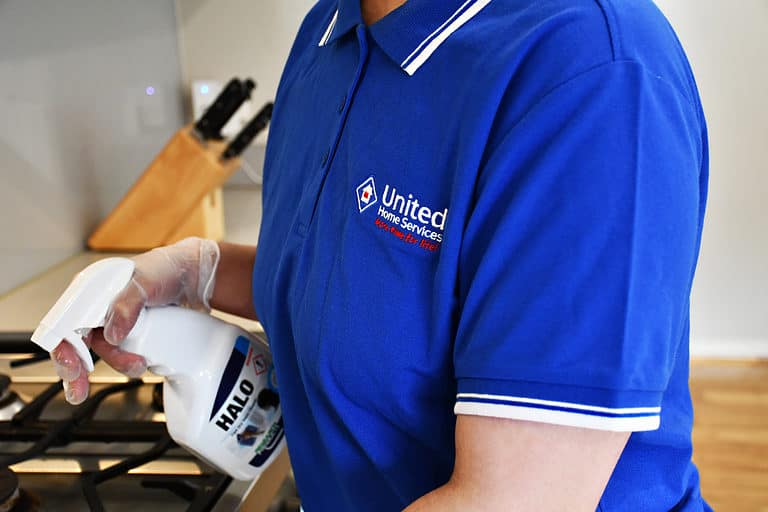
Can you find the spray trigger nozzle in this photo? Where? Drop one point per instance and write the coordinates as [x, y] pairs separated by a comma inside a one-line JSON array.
[[83, 306]]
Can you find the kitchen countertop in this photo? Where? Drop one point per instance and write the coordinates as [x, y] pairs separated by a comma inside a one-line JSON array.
[[22, 308]]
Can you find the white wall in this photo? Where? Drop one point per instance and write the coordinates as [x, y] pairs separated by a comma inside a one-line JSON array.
[[220, 39], [727, 44], [76, 124], [77, 128]]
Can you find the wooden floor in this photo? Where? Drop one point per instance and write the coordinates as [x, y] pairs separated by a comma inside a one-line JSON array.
[[730, 434]]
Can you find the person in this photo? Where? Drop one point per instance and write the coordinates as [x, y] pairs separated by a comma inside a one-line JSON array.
[[481, 220]]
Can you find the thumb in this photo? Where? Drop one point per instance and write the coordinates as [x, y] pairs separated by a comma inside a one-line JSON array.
[[124, 312]]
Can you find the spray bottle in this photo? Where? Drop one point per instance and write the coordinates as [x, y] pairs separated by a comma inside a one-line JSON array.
[[219, 392]]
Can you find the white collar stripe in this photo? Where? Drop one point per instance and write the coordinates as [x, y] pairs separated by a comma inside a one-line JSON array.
[[452, 27], [329, 30], [434, 32]]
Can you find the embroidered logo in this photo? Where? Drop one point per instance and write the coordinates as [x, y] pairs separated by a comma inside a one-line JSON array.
[[403, 215], [366, 194]]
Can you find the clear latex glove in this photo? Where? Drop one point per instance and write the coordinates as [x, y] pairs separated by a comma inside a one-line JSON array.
[[183, 273]]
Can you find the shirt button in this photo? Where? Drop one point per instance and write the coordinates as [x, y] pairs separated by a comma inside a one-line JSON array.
[[324, 159], [342, 104]]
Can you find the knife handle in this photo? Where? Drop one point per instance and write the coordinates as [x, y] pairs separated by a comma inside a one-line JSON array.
[[249, 132], [223, 108]]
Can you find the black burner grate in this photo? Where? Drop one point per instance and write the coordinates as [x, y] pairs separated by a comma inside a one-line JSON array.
[[26, 425]]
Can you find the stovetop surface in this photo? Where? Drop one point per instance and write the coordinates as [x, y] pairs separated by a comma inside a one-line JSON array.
[[63, 493], [117, 423]]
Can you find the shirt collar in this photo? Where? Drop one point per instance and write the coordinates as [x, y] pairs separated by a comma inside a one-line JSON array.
[[346, 17], [410, 34]]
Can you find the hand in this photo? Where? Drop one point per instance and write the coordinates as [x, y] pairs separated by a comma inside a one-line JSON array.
[[183, 273], [72, 370]]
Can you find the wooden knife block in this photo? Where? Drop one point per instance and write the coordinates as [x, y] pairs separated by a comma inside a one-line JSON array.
[[205, 221], [177, 196]]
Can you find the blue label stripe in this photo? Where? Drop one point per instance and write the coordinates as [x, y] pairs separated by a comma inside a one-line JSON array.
[[242, 345], [231, 373], [559, 408]]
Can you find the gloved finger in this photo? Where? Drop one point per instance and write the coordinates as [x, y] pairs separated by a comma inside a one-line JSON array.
[[66, 361], [76, 390], [123, 312], [132, 365]]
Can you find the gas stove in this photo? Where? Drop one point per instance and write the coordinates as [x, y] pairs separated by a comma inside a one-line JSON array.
[[111, 453]]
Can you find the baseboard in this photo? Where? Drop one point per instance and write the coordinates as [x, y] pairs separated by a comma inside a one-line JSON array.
[[735, 348]]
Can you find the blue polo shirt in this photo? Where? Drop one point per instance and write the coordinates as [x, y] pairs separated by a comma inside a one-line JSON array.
[[485, 207]]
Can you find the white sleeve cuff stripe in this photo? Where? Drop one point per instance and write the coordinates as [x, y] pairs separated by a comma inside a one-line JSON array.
[[550, 403], [569, 419]]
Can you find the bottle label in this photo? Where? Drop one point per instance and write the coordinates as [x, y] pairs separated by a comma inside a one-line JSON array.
[[247, 406]]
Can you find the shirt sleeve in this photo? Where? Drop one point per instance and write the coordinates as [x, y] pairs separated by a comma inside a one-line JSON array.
[[578, 255]]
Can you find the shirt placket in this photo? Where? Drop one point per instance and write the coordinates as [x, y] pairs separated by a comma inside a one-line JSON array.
[[307, 211]]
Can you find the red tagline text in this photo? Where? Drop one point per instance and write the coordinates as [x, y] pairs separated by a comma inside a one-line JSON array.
[[407, 238]]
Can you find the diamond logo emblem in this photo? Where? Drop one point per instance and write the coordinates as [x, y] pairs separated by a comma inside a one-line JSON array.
[[366, 194]]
